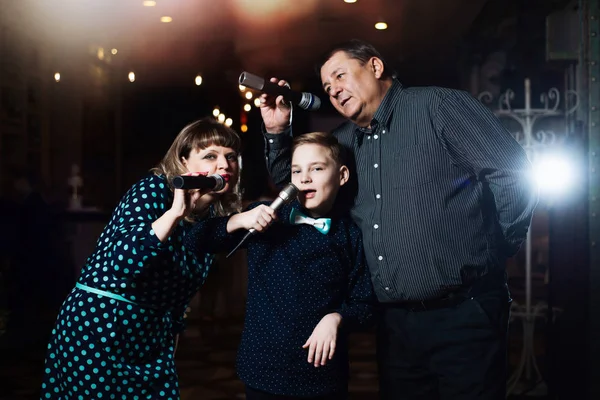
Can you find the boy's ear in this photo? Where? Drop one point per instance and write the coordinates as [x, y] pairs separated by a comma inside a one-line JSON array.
[[344, 175]]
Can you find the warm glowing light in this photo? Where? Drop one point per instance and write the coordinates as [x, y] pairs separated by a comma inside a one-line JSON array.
[[131, 76], [349, 1], [166, 19], [381, 26], [149, 3], [254, 11], [221, 117], [198, 80], [216, 112], [57, 77], [247, 107], [100, 53], [257, 102], [248, 95], [114, 51], [242, 88], [228, 122], [244, 128]]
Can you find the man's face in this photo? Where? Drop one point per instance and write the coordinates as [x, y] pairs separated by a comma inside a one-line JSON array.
[[353, 88]]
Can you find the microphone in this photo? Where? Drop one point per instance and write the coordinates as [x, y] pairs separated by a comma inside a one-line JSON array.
[[289, 193], [215, 182], [307, 101]]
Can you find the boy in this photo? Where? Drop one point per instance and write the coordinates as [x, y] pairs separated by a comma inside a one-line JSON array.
[[308, 284]]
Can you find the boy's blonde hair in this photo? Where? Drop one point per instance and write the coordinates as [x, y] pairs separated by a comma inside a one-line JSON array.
[[324, 139]]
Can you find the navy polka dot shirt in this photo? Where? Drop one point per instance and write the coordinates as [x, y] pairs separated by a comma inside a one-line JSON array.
[[296, 276]]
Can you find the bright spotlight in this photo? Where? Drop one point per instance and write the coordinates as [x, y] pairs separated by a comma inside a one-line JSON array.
[[381, 26], [131, 76], [216, 112], [553, 173]]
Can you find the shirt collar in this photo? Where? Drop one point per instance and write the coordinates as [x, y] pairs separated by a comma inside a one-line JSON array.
[[384, 111]]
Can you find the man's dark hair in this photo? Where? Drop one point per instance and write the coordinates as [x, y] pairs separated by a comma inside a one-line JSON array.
[[358, 50]]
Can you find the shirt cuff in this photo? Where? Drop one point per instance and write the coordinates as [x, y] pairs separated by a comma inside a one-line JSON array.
[[277, 141]]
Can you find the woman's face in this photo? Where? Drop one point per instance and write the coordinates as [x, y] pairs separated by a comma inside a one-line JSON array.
[[215, 160]]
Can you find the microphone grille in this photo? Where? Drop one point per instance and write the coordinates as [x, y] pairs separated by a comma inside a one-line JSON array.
[[252, 81], [220, 182], [289, 192]]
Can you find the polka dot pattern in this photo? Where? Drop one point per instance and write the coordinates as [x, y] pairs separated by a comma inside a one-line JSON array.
[[102, 348], [296, 275]]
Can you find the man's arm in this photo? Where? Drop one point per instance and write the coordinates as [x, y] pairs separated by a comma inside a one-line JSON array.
[[478, 141], [277, 131], [278, 156]]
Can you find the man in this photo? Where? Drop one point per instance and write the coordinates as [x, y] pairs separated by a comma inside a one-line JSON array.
[[443, 199]]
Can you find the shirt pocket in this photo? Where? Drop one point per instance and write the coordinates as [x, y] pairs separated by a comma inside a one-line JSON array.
[[414, 165]]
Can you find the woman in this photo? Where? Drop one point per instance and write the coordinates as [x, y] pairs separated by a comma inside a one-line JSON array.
[[116, 332]]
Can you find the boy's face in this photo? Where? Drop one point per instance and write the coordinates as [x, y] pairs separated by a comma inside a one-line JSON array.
[[318, 177]]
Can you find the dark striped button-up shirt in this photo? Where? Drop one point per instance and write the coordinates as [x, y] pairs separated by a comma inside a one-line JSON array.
[[443, 196]]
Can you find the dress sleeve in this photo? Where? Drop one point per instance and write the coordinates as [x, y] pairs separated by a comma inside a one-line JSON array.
[[130, 232]]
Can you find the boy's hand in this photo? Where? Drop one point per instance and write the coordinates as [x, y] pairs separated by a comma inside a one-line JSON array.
[[321, 344], [259, 219]]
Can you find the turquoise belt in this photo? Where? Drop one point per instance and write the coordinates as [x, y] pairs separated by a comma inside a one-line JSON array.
[[110, 295]]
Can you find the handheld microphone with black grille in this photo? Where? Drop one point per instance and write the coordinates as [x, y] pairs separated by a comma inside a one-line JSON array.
[[215, 182], [307, 101]]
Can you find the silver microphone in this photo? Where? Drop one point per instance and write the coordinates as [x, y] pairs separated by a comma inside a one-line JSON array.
[[289, 193]]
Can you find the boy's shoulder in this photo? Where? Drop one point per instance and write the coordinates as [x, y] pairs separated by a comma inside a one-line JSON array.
[[346, 221]]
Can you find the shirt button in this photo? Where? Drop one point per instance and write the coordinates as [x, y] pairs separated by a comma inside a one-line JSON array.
[[380, 258], [270, 140], [387, 288], [383, 131], [368, 137], [377, 196], [375, 137], [376, 165], [376, 226]]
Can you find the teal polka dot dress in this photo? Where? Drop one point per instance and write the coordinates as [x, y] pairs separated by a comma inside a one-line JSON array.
[[114, 335]]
